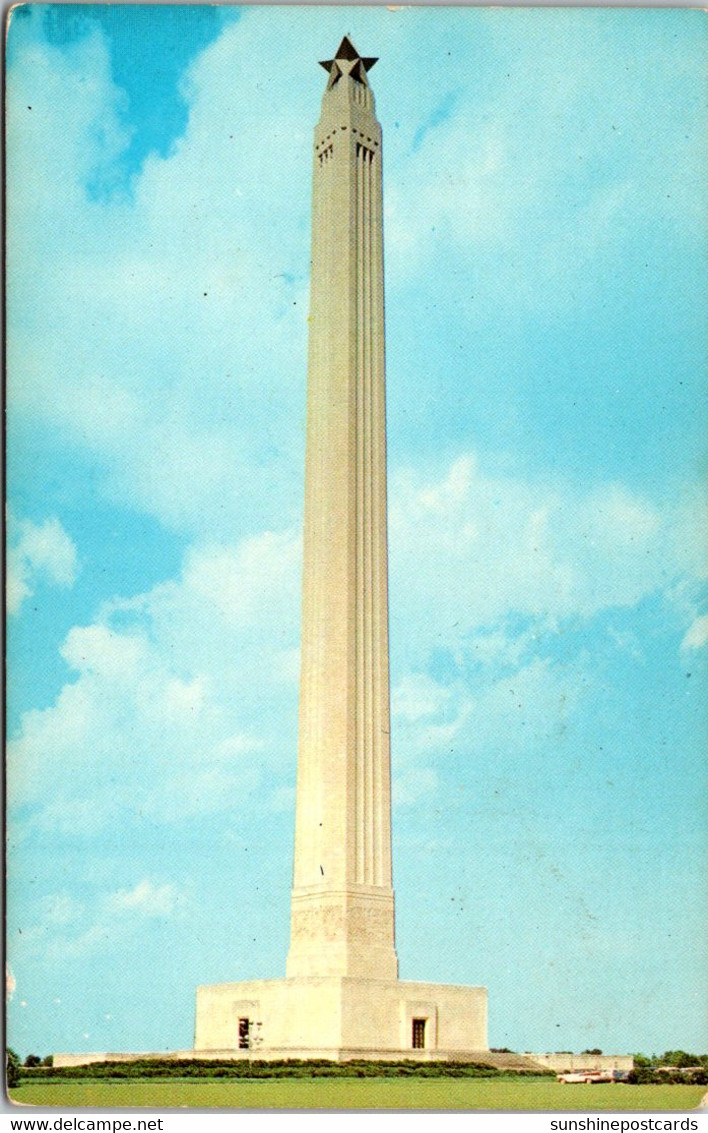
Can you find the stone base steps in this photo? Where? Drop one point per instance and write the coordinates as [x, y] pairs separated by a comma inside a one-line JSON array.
[[506, 1061]]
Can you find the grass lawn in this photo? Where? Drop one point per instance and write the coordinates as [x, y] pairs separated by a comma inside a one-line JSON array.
[[359, 1093]]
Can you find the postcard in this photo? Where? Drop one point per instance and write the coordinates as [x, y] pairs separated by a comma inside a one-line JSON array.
[[356, 560]]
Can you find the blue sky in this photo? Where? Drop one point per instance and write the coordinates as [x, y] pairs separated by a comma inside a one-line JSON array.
[[545, 236]]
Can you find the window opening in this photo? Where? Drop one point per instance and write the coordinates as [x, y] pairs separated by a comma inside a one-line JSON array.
[[419, 1034], [244, 1034]]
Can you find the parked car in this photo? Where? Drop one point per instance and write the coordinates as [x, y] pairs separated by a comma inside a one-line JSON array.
[[593, 1076], [579, 1076]]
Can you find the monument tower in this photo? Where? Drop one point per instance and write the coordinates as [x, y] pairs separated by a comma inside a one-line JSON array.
[[342, 902], [341, 997]]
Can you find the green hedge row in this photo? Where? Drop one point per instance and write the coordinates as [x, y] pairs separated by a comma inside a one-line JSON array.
[[647, 1075], [291, 1068]]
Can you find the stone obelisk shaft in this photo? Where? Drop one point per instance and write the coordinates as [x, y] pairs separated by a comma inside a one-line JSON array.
[[342, 902]]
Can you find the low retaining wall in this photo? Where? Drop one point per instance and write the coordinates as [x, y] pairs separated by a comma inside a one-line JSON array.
[[64, 1059], [498, 1061], [562, 1063]]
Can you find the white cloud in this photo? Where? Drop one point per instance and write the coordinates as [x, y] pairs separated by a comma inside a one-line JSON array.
[[488, 195], [38, 551], [515, 714], [162, 396], [78, 947], [469, 548], [697, 634], [416, 696], [496, 647], [490, 571], [533, 703], [182, 696], [179, 698], [174, 401], [233, 580], [413, 785], [65, 928], [146, 898], [97, 649], [61, 909]]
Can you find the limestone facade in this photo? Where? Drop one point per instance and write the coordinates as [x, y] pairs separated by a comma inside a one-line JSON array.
[[343, 1018]]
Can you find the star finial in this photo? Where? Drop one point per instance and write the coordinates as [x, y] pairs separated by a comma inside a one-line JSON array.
[[347, 61]]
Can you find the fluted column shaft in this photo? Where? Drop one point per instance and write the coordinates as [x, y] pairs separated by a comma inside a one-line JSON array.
[[342, 906]]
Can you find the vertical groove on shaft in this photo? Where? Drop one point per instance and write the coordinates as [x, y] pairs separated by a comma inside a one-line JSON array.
[[376, 539], [371, 808], [360, 748], [369, 596]]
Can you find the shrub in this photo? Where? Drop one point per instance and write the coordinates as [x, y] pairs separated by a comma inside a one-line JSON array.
[[641, 1060], [679, 1058], [641, 1076], [13, 1067]]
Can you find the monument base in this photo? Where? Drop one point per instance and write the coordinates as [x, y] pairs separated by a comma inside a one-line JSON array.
[[341, 1018]]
